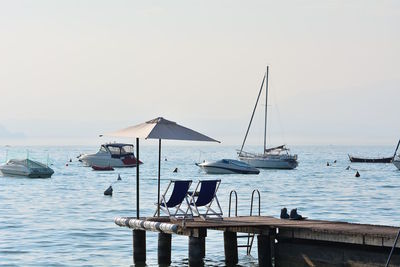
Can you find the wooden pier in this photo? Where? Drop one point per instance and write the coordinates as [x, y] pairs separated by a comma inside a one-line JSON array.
[[280, 242]]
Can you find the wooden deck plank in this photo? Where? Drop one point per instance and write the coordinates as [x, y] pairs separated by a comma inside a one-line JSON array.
[[268, 221], [364, 234]]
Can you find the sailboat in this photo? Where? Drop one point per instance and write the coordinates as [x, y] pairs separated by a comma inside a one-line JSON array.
[[271, 158], [396, 157]]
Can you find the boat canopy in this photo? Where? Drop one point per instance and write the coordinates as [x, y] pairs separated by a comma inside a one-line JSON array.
[[268, 151], [26, 162], [117, 148], [278, 148], [235, 162]]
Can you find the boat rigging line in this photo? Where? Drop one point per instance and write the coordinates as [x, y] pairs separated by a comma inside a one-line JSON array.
[[252, 115]]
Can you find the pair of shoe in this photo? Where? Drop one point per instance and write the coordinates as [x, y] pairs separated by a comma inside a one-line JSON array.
[[293, 215]]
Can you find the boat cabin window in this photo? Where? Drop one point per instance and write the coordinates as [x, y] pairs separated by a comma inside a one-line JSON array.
[[114, 150], [103, 149], [126, 149]]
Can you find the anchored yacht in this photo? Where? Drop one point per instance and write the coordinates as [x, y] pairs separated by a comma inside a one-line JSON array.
[[271, 158], [26, 167], [111, 155]]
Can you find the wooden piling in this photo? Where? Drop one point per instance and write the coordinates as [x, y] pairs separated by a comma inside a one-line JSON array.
[[139, 247], [164, 249], [197, 248], [264, 250], [230, 247]]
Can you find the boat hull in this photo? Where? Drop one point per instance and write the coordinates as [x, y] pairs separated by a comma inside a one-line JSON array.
[[97, 168], [270, 163], [227, 167], [371, 160], [222, 170], [397, 164], [27, 174]]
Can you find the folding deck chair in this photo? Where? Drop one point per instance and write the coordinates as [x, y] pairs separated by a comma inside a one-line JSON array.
[[203, 197], [178, 195]]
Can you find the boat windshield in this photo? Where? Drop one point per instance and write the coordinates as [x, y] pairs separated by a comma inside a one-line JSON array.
[[127, 149], [120, 150], [114, 150], [235, 162], [103, 149], [239, 163]]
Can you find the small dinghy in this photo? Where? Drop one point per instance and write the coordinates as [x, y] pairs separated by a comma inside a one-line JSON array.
[[26, 167], [228, 166], [371, 160], [376, 160], [102, 168]]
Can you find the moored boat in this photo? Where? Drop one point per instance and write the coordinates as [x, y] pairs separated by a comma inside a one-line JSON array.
[[271, 158], [114, 155], [227, 166], [370, 160], [375, 160], [26, 167]]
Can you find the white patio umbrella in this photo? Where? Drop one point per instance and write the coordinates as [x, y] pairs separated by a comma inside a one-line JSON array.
[[158, 128]]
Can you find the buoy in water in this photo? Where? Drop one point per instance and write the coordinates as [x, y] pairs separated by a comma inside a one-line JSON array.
[[109, 191], [334, 161], [165, 159], [66, 164], [176, 170], [327, 164], [119, 177], [70, 160], [357, 174], [348, 168]]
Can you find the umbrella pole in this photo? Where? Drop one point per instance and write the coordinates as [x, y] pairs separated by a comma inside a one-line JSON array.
[[137, 178], [159, 177]]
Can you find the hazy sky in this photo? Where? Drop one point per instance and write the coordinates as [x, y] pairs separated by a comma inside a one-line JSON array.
[[71, 70]]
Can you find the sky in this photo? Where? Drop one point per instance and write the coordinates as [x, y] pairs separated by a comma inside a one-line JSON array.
[[71, 70]]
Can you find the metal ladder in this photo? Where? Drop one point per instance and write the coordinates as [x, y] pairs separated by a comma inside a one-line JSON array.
[[249, 236]]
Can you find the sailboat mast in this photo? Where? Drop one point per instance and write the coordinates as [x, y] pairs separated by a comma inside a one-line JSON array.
[[266, 106]]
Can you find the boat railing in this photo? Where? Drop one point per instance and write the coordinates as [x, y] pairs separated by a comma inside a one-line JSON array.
[[230, 202], [269, 155]]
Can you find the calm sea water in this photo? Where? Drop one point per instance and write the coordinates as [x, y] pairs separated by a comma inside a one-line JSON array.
[[67, 221]]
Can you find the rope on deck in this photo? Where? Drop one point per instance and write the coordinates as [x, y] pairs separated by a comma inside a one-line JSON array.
[[137, 224]]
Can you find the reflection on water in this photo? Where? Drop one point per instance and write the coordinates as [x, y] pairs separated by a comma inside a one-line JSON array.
[[67, 221]]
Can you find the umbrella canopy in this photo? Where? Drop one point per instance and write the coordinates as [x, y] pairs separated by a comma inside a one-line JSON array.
[[158, 128]]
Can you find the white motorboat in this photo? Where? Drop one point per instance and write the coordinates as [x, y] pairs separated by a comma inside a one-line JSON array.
[[271, 158], [26, 167], [111, 155], [227, 166]]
